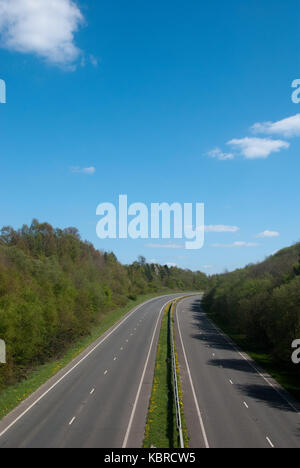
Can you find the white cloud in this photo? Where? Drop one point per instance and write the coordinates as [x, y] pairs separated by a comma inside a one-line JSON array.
[[165, 246], [217, 228], [237, 244], [171, 265], [84, 170], [268, 234], [42, 27], [218, 154], [289, 127], [94, 61], [221, 228], [253, 148]]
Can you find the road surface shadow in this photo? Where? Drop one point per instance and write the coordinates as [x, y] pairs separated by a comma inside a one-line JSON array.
[[196, 305], [234, 364], [212, 340], [266, 394], [208, 335], [204, 331], [259, 392]]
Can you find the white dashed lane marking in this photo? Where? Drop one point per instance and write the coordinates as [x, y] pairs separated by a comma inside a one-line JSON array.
[[269, 441]]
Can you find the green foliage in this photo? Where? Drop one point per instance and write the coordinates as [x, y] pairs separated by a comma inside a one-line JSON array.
[[54, 288], [261, 302]]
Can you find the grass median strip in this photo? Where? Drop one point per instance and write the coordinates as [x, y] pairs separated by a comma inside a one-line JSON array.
[[161, 431], [183, 422]]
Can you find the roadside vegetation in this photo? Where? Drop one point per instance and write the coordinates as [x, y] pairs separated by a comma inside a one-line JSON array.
[[57, 291], [259, 307], [161, 431], [12, 395]]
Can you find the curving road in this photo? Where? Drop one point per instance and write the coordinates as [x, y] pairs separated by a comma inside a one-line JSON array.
[[101, 398], [228, 401]]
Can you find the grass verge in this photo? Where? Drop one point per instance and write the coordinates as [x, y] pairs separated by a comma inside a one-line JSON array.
[[12, 396], [161, 431], [286, 375]]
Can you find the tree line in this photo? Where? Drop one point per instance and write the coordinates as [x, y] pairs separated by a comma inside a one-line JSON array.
[[261, 301], [54, 287]]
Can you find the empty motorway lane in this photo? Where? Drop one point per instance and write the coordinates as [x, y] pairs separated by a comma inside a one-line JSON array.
[[227, 401], [99, 400]]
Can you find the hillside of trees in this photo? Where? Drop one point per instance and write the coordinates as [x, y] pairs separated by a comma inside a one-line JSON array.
[[54, 287], [261, 302]]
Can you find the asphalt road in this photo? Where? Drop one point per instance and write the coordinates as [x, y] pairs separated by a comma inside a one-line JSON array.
[[99, 400], [228, 401]]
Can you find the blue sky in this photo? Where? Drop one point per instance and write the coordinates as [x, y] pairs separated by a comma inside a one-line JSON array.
[[160, 98]]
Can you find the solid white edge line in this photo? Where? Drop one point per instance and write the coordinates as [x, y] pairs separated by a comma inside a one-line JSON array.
[[192, 385], [115, 327], [142, 380]]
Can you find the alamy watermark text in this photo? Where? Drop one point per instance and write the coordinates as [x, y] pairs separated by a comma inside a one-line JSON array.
[[296, 93], [161, 220], [2, 92], [296, 353], [2, 352]]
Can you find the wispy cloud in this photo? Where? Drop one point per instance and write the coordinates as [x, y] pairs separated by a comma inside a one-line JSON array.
[[218, 154], [216, 228], [237, 245], [289, 127], [43, 27], [221, 228], [83, 170], [94, 61], [165, 246], [267, 234], [254, 148]]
